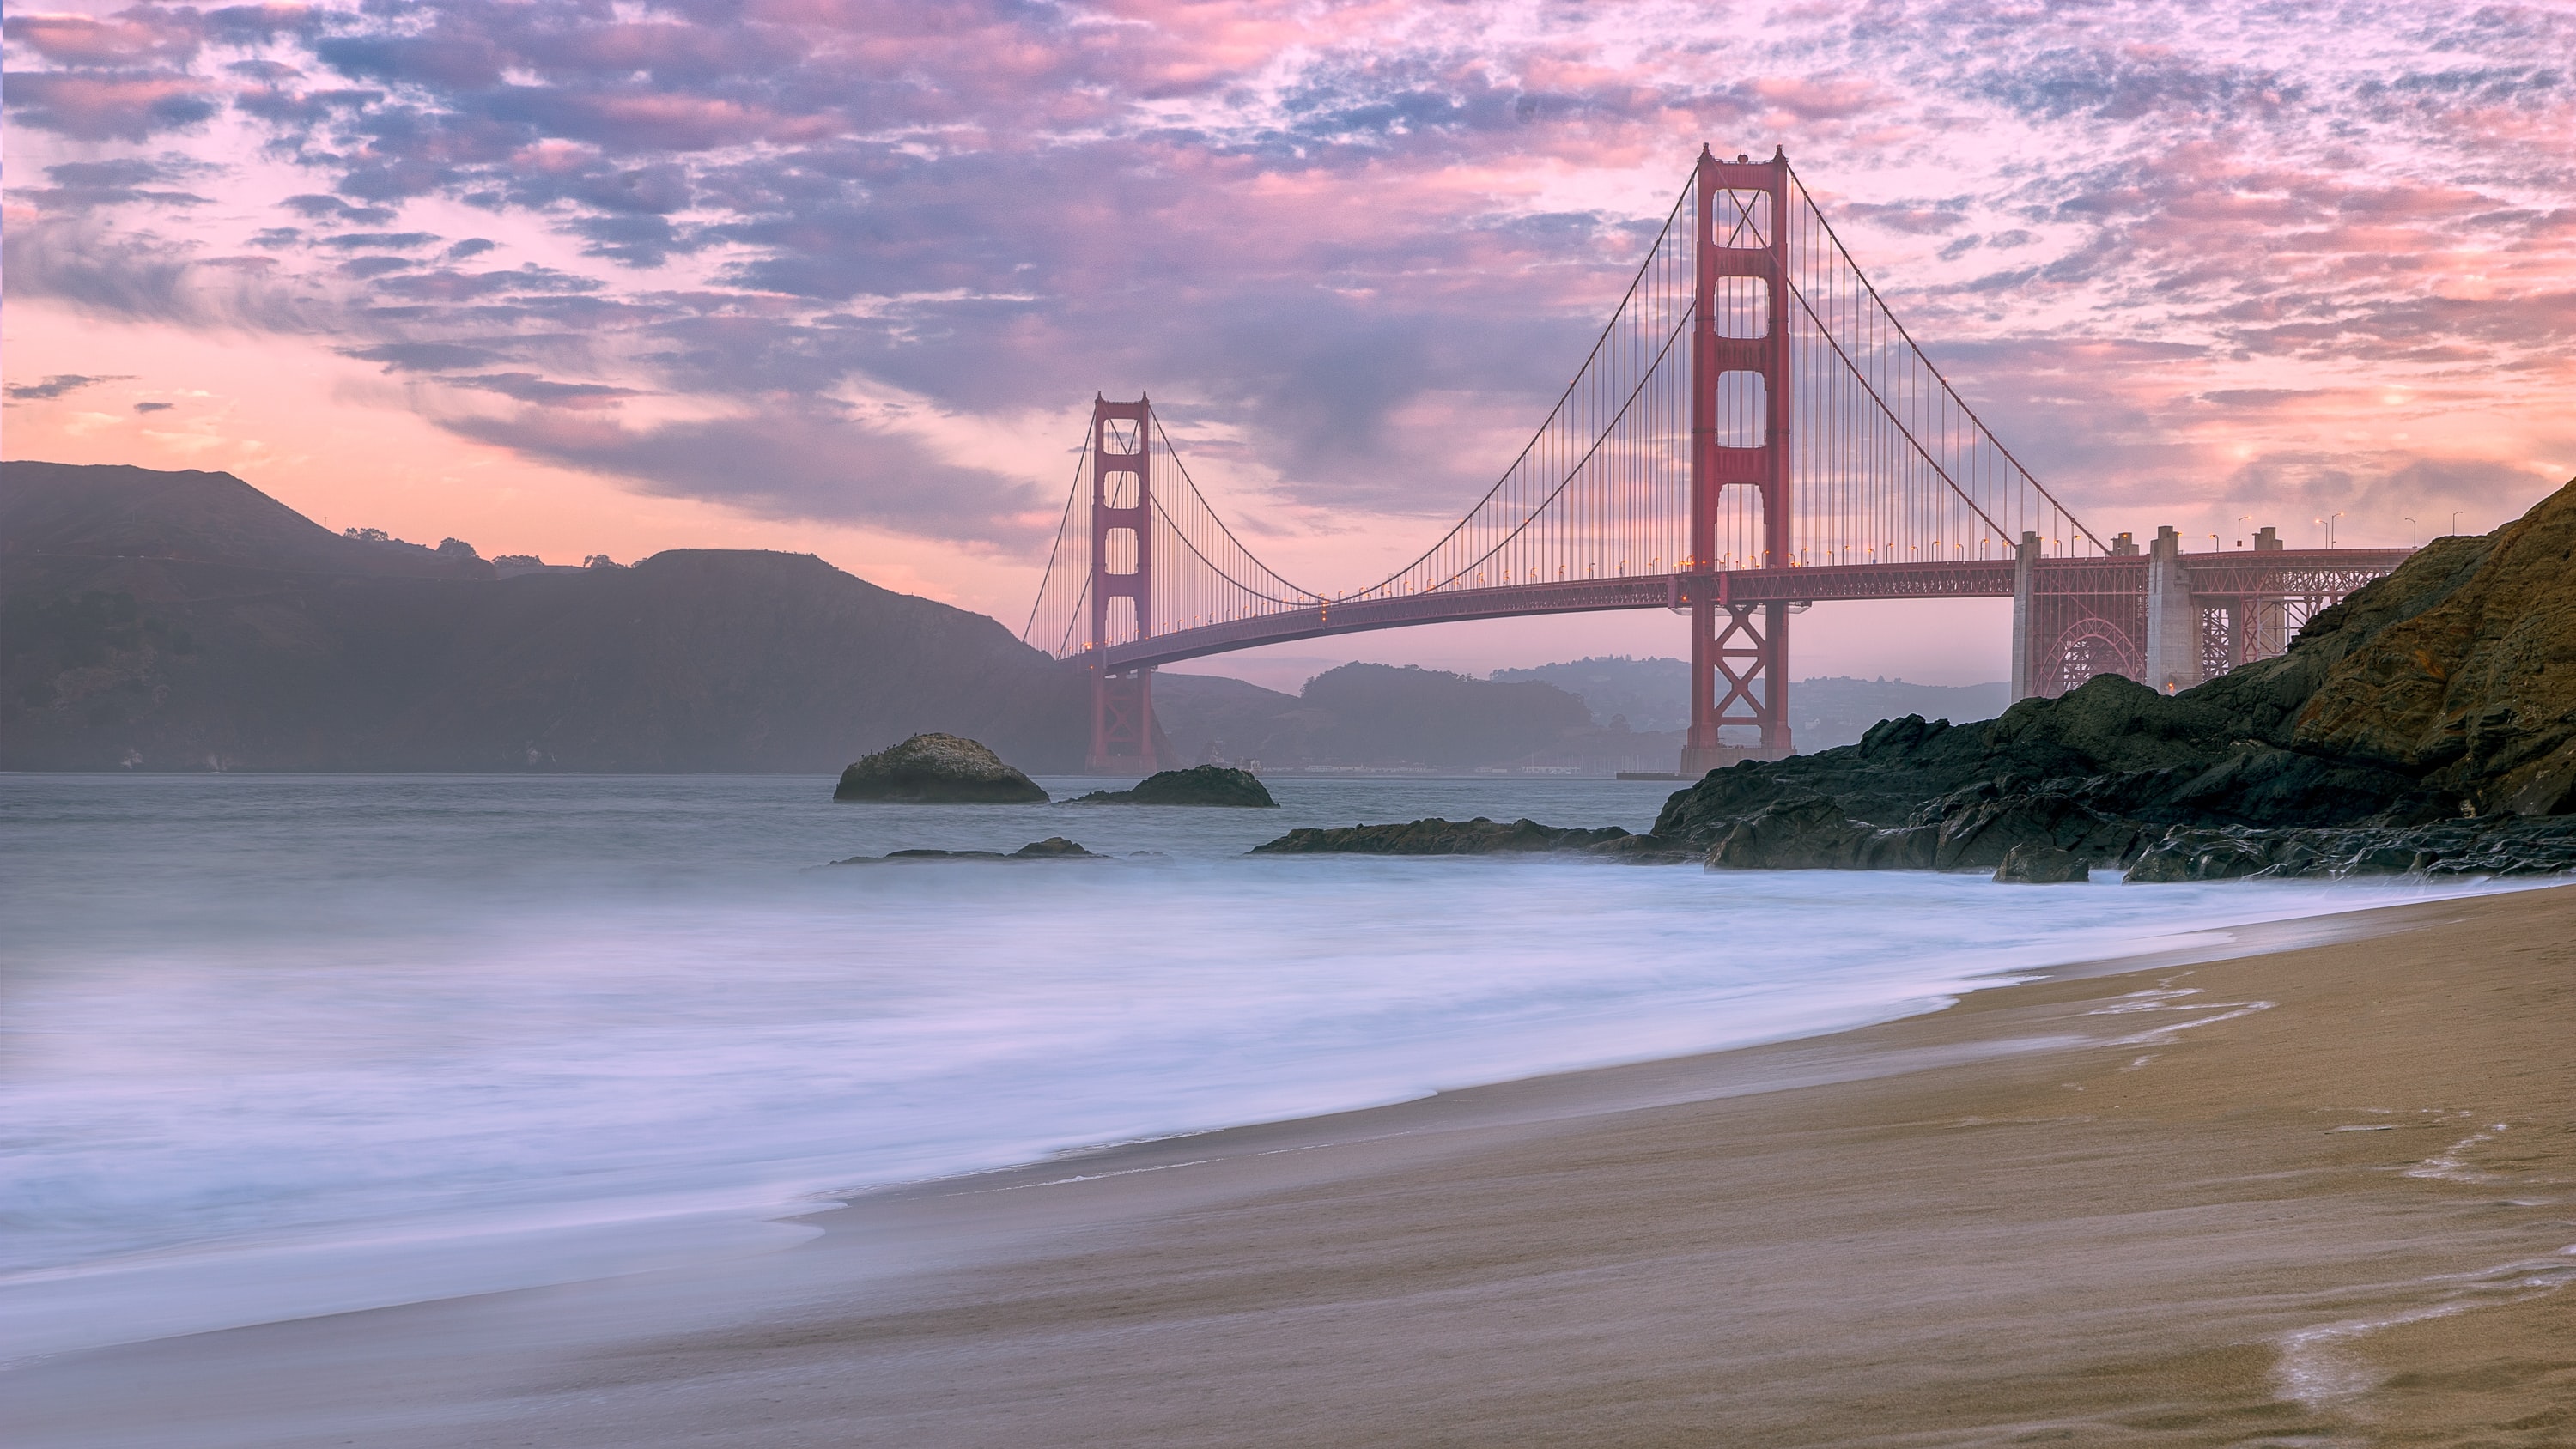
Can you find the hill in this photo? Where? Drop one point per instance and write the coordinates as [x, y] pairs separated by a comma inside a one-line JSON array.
[[187, 621], [1393, 717], [1653, 696]]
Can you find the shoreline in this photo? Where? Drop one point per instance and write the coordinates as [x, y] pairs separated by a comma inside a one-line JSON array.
[[1244, 1266], [195, 1288]]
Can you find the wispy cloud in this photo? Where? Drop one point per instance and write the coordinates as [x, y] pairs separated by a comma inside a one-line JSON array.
[[1360, 246], [56, 386]]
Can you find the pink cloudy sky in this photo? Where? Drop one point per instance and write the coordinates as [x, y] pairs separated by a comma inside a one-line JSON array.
[[842, 277]]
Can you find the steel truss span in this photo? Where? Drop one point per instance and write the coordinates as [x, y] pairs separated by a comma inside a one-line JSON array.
[[1751, 430]]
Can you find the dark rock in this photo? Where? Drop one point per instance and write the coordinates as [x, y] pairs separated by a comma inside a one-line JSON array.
[[1811, 833], [937, 769], [1479, 836], [1197, 785], [2490, 845], [2032, 863], [2201, 855], [1054, 847], [1983, 834]]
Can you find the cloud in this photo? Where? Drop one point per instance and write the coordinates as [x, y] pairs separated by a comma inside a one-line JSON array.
[[140, 276], [1360, 248], [527, 387], [790, 460], [331, 208], [90, 106], [380, 241], [57, 385], [154, 407], [140, 36], [422, 356]]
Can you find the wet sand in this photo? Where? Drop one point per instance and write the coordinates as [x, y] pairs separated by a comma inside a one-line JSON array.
[[2321, 1195]]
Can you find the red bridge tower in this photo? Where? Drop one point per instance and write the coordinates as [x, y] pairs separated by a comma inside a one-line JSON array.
[[1739, 439], [1122, 567]]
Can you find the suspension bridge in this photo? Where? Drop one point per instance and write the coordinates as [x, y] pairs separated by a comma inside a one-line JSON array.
[[1752, 433]]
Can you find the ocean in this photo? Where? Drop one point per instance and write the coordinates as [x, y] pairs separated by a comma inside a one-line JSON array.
[[273, 1046]]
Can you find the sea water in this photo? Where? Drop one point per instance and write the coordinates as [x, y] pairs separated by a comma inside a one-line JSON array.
[[281, 1045]]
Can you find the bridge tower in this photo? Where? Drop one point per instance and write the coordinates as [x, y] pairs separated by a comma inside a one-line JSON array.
[[1740, 414], [1122, 567]]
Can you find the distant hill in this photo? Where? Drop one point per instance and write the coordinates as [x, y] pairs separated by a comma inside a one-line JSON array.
[[1386, 716], [186, 621], [1653, 695]]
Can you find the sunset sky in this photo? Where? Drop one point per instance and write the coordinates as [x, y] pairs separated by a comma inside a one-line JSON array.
[[843, 277]]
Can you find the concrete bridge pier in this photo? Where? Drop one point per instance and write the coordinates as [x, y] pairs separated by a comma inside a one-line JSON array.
[[2173, 621], [2025, 648]]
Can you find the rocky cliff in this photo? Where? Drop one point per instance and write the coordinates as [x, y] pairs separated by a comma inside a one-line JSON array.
[[2447, 689]]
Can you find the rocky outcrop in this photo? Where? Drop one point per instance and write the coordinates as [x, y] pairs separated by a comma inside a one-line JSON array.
[[1479, 836], [2042, 865], [938, 769], [2448, 686], [2471, 684], [1972, 829], [2491, 845], [1197, 785]]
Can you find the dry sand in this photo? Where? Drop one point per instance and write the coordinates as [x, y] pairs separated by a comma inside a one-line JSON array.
[[2320, 1196]]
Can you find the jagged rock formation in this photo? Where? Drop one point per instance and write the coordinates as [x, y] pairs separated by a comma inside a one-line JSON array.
[[2446, 689], [2035, 864], [1479, 836], [2489, 845], [938, 769], [1197, 785]]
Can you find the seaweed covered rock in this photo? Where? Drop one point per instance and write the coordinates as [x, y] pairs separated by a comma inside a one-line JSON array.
[[938, 769], [1197, 785], [1479, 836], [2036, 864]]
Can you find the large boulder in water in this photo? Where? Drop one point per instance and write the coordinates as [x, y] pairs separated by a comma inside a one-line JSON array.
[[1197, 785], [938, 769]]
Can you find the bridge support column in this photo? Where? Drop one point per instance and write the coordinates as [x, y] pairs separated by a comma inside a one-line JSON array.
[[2173, 622], [2026, 643], [1122, 568], [1740, 416], [1739, 674]]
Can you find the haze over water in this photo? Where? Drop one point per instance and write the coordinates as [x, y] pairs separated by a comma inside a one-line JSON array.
[[286, 1045]]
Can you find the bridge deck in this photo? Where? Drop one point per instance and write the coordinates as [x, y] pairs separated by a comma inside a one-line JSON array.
[[2291, 572]]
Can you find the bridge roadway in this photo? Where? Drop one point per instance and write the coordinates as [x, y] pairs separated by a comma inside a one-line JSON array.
[[2228, 574]]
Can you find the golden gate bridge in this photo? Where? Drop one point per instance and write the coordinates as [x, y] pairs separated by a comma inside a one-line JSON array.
[[1753, 432]]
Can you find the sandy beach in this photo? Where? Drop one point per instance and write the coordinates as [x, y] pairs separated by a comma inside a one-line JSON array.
[[2320, 1190]]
